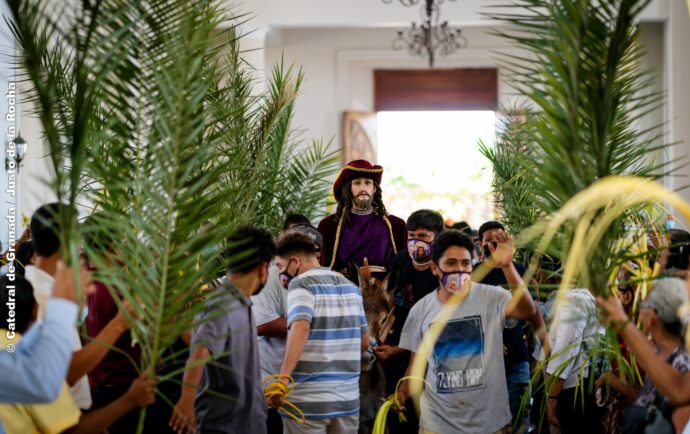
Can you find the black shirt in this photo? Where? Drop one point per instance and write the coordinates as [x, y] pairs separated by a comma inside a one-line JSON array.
[[513, 338], [409, 286]]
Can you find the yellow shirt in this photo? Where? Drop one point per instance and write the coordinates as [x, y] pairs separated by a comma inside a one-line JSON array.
[[51, 418]]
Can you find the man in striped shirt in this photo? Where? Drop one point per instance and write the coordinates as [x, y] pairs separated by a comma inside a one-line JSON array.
[[327, 335]]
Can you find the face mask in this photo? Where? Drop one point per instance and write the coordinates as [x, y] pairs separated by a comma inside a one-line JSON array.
[[286, 277], [420, 251], [456, 281], [670, 224]]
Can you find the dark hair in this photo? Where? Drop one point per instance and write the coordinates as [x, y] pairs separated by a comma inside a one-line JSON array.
[[295, 243], [23, 299], [45, 229], [487, 226], [345, 202], [95, 234], [23, 257], [248, 248], [294, 220], [463, 227], [448, 239], [426, 219], [679, 252]]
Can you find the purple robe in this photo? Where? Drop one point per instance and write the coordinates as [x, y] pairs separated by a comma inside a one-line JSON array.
[[366, 236]]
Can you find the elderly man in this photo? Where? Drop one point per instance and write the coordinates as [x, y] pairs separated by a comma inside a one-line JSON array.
[[361, 227]]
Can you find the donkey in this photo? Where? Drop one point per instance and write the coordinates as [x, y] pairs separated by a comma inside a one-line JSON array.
[[372, 382]]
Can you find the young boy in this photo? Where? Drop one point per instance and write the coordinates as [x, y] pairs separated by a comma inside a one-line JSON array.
[[466, 389]]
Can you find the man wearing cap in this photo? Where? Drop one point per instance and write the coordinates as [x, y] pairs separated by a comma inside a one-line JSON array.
[[361, 227]]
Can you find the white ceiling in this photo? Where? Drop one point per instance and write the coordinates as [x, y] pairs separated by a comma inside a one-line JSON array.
[[286, 14]]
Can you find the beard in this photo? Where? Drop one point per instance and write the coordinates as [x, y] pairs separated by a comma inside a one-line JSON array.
[[362, 201]]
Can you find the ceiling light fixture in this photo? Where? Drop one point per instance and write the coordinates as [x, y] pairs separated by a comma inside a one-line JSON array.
[[432, 36]]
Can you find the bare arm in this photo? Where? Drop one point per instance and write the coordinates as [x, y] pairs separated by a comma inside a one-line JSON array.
[[521, 305], [365, 342], [404, 389], [183, 417], [140, 394], [675, 386], [539, 327], [274, 329], [86, 359], [619, 385], [384, 352], [296, 341], [554, 385], [680, 417]]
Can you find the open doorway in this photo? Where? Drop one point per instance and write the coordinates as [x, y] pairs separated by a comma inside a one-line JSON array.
[[424, 130], [432, 161]]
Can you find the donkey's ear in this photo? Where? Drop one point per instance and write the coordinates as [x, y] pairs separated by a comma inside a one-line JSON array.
[[384, 286], [364, 271]]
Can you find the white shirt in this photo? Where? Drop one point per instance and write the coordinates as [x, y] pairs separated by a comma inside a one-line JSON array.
[[269, 305], [574, 327], [42, 283]]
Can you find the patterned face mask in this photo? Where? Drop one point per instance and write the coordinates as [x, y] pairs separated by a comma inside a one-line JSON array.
[[456, 281], [420, 251]]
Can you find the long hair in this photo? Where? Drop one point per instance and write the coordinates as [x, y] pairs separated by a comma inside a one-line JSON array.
[[345, 202]]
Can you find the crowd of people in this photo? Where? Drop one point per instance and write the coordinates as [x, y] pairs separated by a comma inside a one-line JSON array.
[[313, 330]]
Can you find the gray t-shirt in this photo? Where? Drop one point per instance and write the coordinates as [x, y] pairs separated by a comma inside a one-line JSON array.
[[229, 332], [466, 391], [269, 305]]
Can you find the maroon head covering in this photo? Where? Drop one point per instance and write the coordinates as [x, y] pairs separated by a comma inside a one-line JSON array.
[[356, 169]]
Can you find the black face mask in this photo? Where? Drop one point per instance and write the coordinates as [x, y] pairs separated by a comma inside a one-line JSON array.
[[286, 277], [259, 289]]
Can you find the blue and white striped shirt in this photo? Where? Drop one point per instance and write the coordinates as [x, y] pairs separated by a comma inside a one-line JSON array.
[[327, 374]]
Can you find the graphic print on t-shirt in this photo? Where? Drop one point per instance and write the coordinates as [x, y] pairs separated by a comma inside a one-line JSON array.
[[459, 356]]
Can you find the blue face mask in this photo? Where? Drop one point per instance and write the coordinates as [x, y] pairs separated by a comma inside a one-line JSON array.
[[456, 281]]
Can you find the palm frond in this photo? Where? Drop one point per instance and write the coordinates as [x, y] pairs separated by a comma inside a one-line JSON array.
[[582, 71]]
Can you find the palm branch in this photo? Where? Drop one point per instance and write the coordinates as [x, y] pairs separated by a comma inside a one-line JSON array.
[[514, 200], [582, 72], [152, 125]]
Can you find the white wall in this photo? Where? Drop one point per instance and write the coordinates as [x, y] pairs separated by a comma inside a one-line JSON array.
[[376, 13], [339, 43], [339, 65], [677, 81]]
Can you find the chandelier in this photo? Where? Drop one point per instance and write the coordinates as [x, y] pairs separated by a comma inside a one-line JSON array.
[[432, 36]]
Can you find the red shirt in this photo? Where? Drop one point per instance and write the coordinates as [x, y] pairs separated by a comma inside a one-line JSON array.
[[115, 368]]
